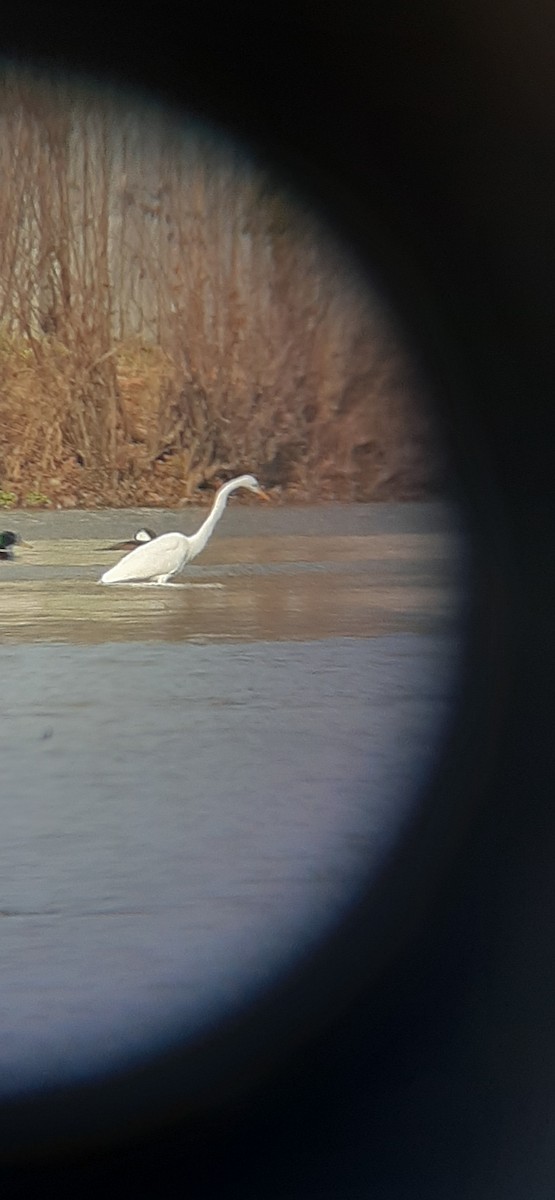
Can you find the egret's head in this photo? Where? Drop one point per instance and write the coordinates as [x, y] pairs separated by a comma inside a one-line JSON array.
[[144, 535], [249, 481]]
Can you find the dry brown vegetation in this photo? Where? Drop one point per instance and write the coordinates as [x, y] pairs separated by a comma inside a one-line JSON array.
[[169, 319]]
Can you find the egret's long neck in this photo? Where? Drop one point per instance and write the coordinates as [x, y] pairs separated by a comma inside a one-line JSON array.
[[199, 539]]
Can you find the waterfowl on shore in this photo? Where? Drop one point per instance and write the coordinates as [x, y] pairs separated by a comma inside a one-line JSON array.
[[7, 541], [167, 554], [139, 539]]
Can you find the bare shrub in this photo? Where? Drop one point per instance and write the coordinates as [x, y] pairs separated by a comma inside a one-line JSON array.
[[169, 318]]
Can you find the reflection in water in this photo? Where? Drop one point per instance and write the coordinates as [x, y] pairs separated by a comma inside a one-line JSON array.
[[183, 813], [294, 587]]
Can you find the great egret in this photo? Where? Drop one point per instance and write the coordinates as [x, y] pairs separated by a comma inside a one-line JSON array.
[[138, 539], [167, 554], [7, 541]]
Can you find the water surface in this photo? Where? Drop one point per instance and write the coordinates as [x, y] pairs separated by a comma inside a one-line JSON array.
[[197, 779]]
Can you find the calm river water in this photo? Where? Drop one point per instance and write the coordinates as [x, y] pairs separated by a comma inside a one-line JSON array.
[[196, 778]]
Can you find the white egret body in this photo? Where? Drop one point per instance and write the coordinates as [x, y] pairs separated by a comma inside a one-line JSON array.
[[158, 560]]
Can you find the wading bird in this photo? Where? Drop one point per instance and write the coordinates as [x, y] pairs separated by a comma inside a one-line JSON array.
[[7, 541], [138, 539], [167, 554]]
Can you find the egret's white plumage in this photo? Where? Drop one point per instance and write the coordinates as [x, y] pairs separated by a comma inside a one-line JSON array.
[[157, 561]]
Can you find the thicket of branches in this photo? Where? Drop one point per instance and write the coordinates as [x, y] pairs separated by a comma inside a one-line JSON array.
[[168, 319]]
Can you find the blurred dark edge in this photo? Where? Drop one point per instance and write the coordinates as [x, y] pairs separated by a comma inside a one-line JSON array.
[[433, 124]]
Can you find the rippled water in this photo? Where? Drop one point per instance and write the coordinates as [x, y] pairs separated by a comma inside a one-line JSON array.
[[197, 778]]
